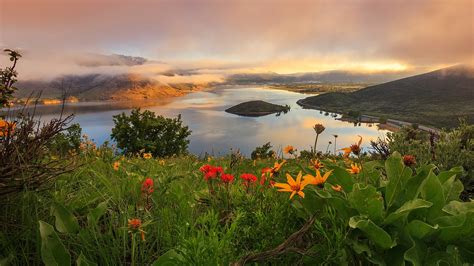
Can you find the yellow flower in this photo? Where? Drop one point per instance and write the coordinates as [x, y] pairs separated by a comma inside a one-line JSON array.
[[295, 187], [318, 179], [355, 168], [354, 148], [116, 165], [162, 162], [316, 164], [209, 159], [337, 188], [289, 149], [147, 155]]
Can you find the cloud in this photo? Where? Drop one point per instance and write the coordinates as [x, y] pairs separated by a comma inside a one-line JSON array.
[[242, 35]]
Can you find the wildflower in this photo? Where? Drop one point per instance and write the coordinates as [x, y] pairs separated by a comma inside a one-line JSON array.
[[319, 128], [6, 128], [248, 179], [134, 224], [337, 188], [147, 155], [162, 162], [354, 148], [409, 160], [295, 187], [318, 179], [227, 178], [276, 168], [355, 168], [211, 172], [147, 186], [316, 164], [116, 165], [289, 149]]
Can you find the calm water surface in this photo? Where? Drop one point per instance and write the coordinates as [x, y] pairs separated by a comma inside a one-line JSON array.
[[215, 131]]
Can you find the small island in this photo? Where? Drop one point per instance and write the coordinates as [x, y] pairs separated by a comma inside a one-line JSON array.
[[257, 108]]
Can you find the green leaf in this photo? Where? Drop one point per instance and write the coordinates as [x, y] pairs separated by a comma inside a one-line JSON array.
[[420, 229], [445, 175], [416, 253], [53, 251], [83, 261], [452, 188], [432, 191], [457, 207], [413, 187], [171, 258], [94, 215], [367, 201], [406, 209], [65, 221], [397, 175], [341, 177], [375, 233]]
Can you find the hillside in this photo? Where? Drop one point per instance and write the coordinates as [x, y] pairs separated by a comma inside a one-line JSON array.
[[104, 87], [436, 98]]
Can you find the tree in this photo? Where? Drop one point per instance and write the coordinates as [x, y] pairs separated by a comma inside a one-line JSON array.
[[8, 78], [149, 132]]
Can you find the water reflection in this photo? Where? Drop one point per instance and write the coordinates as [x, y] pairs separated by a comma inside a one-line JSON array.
[[215, 131]]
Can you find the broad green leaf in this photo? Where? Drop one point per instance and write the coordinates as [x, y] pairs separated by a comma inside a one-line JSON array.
[[452, 188], [65, 221], [373, 232], [367, 201], [397, 175], [456, 227], [432, 191], [445, 175], [457, 207], [406, 209], [53, 251], [416, 253], [94, 215], [413, 187], [341, 177], [420, 229], [83, 261], [171, 258]]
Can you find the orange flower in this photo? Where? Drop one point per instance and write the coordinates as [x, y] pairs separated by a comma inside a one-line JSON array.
[[316, 164], [134, 224], [6, 128], [409, 160], [289, 149], [295, 187], [116, 165], [147, 155], [355, 168], [318, 179], [337, 188], [354, 148]]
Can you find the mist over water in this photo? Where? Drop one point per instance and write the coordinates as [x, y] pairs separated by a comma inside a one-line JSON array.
[[214, 131]]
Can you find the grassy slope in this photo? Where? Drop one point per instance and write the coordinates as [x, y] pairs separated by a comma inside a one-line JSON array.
[[437, 98]]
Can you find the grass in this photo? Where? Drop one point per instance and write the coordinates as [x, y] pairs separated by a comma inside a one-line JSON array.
[[182, 216]]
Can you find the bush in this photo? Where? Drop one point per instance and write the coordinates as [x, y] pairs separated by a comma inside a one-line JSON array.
[[263, 152], [68, 141], [145, 131], [397, 214]]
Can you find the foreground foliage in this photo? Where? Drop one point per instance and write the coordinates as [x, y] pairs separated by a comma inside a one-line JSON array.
[[188, 211]]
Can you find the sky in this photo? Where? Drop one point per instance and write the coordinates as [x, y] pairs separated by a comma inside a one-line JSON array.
[[220, 37]]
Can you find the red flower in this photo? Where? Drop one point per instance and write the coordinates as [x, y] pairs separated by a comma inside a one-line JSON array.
[[211, 172], [134, 224], [248, 177], [147, 186], [409, 160], [227, 178]]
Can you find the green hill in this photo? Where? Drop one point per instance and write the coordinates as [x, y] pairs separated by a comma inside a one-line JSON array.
[[256, 108], [436, 98]]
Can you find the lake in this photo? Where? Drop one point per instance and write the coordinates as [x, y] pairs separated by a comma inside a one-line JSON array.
[[216, 132]]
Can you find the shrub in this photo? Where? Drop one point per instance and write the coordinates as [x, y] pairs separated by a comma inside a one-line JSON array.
[[68, 141], [398, 215], [8, 77], [263, 152], [149, 132]]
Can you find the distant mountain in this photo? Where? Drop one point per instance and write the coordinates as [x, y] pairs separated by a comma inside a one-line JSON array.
[[313, 77], [96, 60], [104, 87], [435, 98]]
